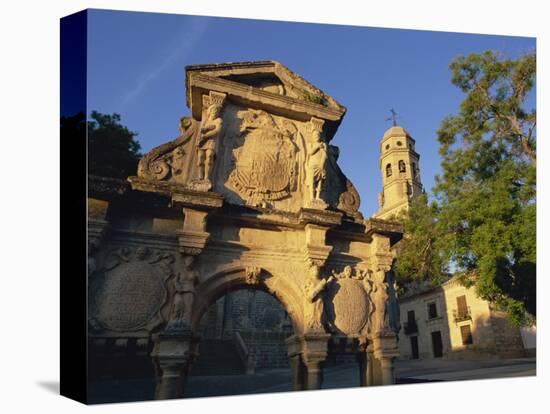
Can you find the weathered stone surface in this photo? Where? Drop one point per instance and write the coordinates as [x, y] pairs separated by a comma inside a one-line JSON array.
[[132, 290], [262, 204], [349, 320]]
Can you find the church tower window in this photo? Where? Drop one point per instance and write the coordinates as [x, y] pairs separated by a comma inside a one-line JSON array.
[[402, 168]]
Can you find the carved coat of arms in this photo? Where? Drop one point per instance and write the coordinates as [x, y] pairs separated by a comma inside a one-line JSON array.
[[265, 165]]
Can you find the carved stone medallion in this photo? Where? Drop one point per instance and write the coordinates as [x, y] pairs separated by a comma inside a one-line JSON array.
[[132, 294], [349, 306]]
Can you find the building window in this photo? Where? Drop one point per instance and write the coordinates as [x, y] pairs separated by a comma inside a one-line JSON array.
[[388, 170], [402, 168], [399, 143], [462, 311], [437, 344], [414, 347], [466, 333], [410, 325], [432, 310], [411, 317], [387, 147], [414, 171]]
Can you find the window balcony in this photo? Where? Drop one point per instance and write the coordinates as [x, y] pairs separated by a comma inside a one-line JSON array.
[[460, 315]]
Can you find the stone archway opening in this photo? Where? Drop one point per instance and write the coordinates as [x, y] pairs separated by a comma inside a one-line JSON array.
[[242, 345]]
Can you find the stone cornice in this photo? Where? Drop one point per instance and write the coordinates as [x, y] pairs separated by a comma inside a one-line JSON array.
[[199, 84], [392, 229], [180, 195], [272, 67], [106, 187], [138, 238], [405, 150]]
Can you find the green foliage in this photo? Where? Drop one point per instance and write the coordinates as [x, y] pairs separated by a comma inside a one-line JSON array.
[[419, 254], [113, 150], [487, 191], [314, 98]]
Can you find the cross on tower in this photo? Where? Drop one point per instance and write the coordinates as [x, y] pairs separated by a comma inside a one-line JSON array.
[[392, 117]]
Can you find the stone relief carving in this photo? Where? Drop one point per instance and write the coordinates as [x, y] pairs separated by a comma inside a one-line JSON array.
[[265, 167], [313, 300], [184, 296], [167, 161], [209, 132], [253, 275], [317, 156], [131, 291], [384, 318]]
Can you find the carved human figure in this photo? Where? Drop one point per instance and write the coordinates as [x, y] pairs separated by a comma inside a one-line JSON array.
[[313, 301], [142, 252], [346, 273], [206, 151], [185, 283], [385, 318], [316, 164]]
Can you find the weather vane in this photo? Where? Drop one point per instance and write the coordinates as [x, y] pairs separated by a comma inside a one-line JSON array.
[[392, 117]]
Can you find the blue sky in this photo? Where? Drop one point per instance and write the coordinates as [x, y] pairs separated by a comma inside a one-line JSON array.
[[136, 68]]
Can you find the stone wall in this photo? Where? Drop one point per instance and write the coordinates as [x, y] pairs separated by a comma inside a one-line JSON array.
[[269, 348], [492, 334]]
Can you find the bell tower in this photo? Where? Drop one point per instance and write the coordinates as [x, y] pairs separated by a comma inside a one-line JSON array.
[[400, 172]]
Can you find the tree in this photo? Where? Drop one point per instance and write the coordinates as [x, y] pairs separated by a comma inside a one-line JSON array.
[[113, 150], [487, 190], [419, 254]]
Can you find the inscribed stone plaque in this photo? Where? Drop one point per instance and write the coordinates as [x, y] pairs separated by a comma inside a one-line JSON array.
[[350, 305], [132, 295]]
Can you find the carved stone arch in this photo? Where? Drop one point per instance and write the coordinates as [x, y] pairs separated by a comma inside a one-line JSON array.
[[235, 277]]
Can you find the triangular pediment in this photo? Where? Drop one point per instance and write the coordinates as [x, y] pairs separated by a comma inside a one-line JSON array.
[[270, 76]]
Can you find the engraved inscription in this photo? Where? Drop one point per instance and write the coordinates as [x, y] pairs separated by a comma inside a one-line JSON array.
[[132, 295]]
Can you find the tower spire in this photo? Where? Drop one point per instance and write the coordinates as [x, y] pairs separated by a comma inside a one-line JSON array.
[[399, 165]]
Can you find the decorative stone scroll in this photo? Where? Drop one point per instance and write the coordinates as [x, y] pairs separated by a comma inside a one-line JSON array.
[[132, 290], [168, 161]]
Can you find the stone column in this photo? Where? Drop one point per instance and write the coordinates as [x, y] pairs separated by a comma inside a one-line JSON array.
[[172, 355], [386, 367], [373, 374], [297, 372], [296, 364], [314, 378], [363, 361], [314, 353], [385, 351], [171, 382]]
